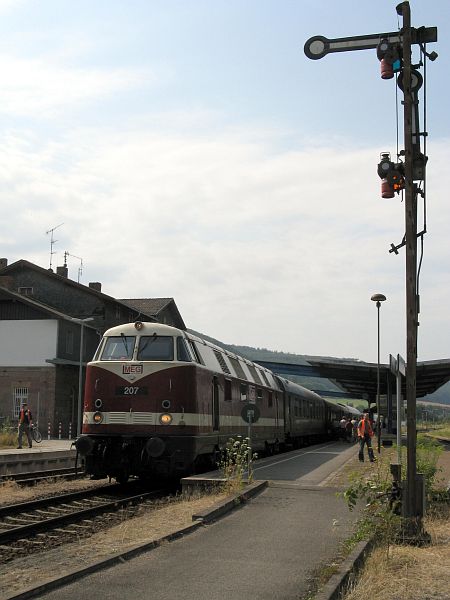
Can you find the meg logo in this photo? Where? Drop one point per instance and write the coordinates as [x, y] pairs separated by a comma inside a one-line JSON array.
[[128, 369]]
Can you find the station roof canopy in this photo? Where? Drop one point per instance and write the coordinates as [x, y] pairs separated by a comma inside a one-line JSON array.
[[358, 379]]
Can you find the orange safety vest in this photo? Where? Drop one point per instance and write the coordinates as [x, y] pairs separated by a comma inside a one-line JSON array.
[[22, 416], [362, 428]]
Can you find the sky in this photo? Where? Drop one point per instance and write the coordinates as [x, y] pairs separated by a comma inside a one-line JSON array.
[[190, 149]]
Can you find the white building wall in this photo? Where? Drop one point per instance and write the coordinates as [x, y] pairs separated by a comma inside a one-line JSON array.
[[28, 343]]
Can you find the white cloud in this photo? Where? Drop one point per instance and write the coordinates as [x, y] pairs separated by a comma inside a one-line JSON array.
[[258, 246], [40, 88]]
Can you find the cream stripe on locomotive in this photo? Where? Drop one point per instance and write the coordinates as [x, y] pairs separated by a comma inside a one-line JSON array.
[[191, 419]]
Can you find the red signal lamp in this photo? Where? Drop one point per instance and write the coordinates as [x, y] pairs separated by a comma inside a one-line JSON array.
[[392, 176]]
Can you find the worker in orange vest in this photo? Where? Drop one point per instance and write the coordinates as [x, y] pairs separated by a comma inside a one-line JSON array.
[[365, 435], [25, 423]]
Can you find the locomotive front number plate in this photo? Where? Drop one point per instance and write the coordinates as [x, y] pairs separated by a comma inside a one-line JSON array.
[[131, 390]]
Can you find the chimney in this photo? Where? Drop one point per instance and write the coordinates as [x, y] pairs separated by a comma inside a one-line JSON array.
[[62, 271], [3, 263], [95, 285]]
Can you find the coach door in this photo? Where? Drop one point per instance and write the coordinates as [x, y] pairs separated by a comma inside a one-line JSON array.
[[215, 404]]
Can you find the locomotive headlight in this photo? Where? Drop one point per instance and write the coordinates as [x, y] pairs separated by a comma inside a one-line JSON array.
[[97, 417], [165, 419]]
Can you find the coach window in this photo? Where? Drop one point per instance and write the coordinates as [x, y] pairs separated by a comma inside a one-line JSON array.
[[119, 348], [182, 351], [155, 347], [270, 400], [243, 392], [259, 394], [228, 389]]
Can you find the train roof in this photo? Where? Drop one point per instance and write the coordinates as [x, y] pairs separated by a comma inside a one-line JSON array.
[[143, 328]]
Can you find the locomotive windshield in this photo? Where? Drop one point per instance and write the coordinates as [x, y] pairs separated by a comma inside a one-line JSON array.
[[153, 347], [119, 348]]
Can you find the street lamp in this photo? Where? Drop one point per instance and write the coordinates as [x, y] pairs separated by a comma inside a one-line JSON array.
[[81, 322], [378, 298]]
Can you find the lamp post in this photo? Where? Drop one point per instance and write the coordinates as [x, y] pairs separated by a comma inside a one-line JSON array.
[[378, 298], [81, 322]]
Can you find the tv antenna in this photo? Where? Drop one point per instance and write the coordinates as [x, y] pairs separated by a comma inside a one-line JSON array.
[[52, 242], [80, 268]]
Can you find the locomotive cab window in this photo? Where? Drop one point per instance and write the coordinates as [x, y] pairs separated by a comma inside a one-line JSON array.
[[182, 351], [119, 347], [155, 347]]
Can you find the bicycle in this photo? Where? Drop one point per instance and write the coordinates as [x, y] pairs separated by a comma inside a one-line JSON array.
[[36, 434]]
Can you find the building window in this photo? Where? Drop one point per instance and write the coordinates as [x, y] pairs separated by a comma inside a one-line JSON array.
[[25, 291], [20, 395]]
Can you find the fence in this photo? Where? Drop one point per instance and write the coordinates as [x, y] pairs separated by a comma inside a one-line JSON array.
[[64, 431]]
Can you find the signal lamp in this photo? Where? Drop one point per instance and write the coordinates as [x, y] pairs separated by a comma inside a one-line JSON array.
[[139, 325], [98, 418], [389, 56], [165, 419], [387, 72], [392, 176]]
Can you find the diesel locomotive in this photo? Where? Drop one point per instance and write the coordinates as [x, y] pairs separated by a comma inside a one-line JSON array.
[[161, 401]]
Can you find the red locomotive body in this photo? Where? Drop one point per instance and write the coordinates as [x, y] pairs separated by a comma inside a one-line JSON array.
[[160, 401]]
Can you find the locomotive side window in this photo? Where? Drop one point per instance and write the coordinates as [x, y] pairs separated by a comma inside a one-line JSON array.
[[243, 392], [182, 351], [155, 347], [195, 352], [119, 347], [237, 367]]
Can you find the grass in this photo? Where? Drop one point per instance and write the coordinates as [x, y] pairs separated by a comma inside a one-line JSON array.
[[8, 439], [440, 432], [395, 571], [409, 572]]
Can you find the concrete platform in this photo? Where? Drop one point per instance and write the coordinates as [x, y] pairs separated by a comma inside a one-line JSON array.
[[49, 454]]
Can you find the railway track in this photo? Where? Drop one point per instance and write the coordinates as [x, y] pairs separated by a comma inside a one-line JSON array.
[[41, 524], [34, 477]]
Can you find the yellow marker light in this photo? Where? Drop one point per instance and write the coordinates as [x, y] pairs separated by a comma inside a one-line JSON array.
[[98, 418], [165, 419]]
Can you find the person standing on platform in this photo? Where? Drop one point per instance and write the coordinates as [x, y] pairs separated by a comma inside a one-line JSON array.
[[25, 423], [365, 435]]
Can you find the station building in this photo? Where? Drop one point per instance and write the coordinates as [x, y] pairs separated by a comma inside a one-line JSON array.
[[43, 317]]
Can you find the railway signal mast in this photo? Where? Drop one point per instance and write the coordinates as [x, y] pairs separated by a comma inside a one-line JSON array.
[[394, 53]]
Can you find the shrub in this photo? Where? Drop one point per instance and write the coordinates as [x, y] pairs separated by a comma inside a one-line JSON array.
[[237, 460]]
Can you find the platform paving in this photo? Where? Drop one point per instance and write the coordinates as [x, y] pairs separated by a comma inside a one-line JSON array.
[[49, 454], [266, 549]]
